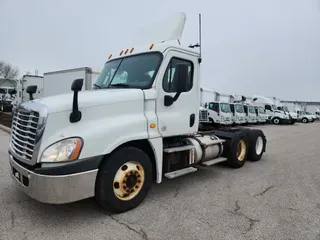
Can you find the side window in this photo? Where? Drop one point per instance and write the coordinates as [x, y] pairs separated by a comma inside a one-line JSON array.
[[169, 83], [268, 107]]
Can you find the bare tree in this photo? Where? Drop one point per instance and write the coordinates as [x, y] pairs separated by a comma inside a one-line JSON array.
[[7, 71]]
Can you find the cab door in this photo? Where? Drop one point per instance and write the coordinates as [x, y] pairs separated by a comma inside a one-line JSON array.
[[182, 116]]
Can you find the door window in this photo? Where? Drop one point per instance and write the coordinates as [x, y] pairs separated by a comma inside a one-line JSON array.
[[170, 80]]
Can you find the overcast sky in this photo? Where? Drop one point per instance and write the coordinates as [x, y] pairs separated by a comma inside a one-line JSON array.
[[266, 47]]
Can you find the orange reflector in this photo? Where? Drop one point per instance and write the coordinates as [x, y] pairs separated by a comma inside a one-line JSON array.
[[152, 125], [151, 46], [121, 53], [110, 56], [131, 50]]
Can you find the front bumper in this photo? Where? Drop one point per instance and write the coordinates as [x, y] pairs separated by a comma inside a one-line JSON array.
[[54, 189]]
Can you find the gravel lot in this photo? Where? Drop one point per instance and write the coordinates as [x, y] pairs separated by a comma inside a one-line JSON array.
[[276, 198]]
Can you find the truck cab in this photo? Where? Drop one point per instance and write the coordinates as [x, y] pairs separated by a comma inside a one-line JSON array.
[[219, 113], [251, 116], [303, 117], [261, 114], [275, 116], [7, 97], [239, 116]]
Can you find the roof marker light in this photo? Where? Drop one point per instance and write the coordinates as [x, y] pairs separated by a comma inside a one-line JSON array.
[[131, 50], [151, 46], [121, 53], [126, 51], [110, 56]]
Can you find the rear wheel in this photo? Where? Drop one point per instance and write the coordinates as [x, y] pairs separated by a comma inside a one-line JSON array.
[[257, 144], [237, 151], [305, 120], [123, 180]]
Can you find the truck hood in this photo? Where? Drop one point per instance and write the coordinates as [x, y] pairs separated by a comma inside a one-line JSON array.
[[90, 98]]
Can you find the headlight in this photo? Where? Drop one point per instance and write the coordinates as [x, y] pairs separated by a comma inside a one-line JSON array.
[[65, 150]]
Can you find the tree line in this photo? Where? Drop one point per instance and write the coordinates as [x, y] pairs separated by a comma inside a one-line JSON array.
[[7, 71]]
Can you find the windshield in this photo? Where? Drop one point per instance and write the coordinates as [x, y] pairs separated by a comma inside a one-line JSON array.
[[251, 109], [239, 108], [130, 72], [3, 91], [274, 107], [280, 108], [261, 110], [225, 107]]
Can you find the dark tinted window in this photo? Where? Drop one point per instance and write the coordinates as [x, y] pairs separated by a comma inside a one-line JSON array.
[[170, 79], [268, 107]]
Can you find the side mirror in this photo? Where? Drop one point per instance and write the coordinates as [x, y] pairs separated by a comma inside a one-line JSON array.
[[32, 89], [77, 85], [181, 76], [75, 115]]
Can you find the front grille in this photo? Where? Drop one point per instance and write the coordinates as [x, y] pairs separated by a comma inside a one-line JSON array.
[[203, 114], [24, 133]]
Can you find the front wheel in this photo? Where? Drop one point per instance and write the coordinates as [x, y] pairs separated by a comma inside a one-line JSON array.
[[276, 121], [305, 120], [123, 180]]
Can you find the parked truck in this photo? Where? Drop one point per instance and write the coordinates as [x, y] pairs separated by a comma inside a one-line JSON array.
[[219, 110], [275, 116], [7, 96], [112, 142], [237, 109]]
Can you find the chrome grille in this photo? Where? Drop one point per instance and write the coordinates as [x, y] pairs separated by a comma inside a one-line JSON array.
[[24, 133], [203, 114]]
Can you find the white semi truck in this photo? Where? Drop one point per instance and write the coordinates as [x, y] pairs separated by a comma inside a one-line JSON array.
[[113, 141], [7, 96], [219, 110], [274, 115]]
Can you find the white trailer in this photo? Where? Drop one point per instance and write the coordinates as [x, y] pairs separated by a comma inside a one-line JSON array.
[[111, 143], [59, 82], [23, 84]]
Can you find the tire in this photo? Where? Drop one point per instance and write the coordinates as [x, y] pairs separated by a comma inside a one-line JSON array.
[[236, 150], [257, 144], [121, 171], [276, 121], [305, 120]]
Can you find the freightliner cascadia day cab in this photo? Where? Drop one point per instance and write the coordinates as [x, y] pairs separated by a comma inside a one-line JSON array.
[[139, 124]]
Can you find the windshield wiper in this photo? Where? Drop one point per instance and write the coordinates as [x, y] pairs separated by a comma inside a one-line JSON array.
[[96, 85], [120, 85]]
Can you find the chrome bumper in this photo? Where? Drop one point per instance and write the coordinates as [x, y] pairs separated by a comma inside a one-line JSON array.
[[54, 189]]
